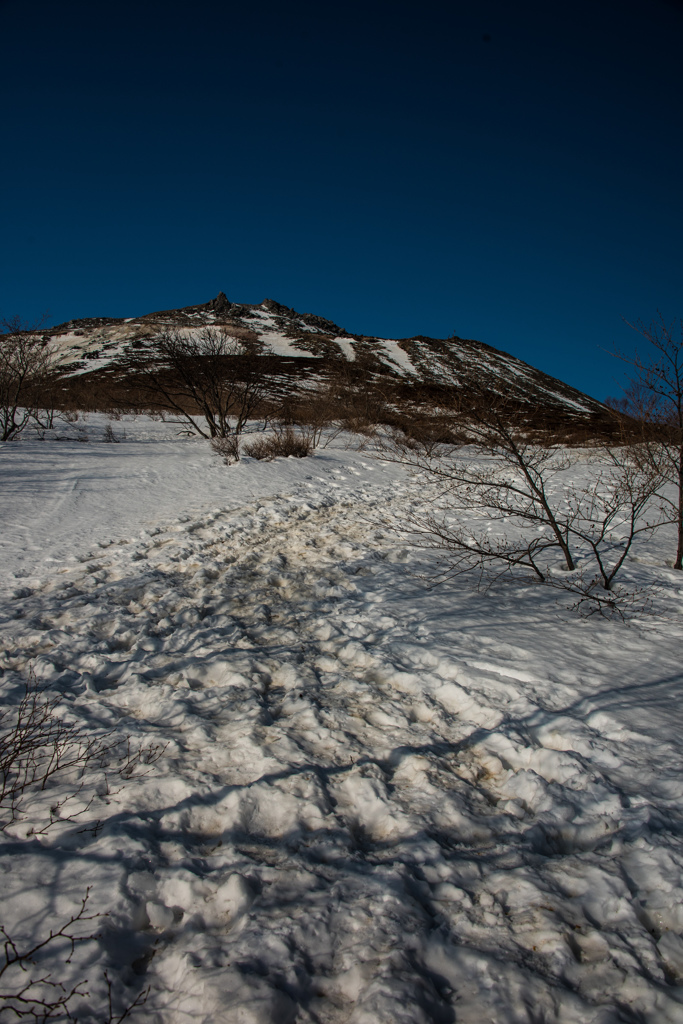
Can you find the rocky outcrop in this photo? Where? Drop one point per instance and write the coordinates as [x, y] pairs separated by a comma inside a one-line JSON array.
[[220, 304]]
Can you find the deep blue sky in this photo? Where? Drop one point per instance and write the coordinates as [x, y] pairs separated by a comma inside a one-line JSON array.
[[508, 171]]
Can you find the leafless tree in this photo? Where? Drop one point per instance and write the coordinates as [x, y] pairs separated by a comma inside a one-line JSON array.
[[507, 503], [209, 375], [26, 371], [654, 400]]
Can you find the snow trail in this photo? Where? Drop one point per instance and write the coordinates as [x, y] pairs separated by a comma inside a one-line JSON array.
[[377, 804]]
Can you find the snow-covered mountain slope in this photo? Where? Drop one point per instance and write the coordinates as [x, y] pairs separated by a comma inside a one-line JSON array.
[[377, 803], [87, 345]]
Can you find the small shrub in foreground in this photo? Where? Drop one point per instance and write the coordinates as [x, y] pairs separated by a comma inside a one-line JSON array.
[[227, 447]]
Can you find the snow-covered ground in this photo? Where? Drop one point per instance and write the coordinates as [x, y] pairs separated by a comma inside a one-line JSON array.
[[377, 803]]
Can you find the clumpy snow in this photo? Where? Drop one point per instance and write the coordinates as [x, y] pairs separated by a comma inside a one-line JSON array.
[[375, 802]]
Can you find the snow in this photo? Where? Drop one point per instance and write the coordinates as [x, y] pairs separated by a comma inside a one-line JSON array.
[[396, 354], [346, 346], [376, 802]]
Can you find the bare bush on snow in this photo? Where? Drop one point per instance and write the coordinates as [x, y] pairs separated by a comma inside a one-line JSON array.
[[284, 442], [508, 505]]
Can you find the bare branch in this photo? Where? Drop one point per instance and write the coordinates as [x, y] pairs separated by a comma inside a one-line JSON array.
[[209, 378], [507, 505], [37, 745], [653, 402]]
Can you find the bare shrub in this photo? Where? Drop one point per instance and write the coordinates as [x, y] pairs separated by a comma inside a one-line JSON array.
[[35, 745], [38, 746], [44, 414], [109, 435], [282, 444], [506, 504], [117, 1018], [353, 395], [228, 448], [317, 416], [312, 433], [262, 448], [363, 409]]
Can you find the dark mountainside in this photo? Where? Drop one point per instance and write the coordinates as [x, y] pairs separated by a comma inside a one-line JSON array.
[[299, 349]]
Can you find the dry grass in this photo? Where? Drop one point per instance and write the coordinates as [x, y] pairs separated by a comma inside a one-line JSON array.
[[286, 442]]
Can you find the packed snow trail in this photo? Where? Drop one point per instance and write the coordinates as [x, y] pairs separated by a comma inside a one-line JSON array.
[[378, 804], [61, 496]]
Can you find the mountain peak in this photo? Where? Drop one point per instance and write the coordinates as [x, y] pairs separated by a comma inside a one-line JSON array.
[[220, 303]]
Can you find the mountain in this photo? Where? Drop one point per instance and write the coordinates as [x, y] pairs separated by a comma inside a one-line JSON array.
[[103, 344]]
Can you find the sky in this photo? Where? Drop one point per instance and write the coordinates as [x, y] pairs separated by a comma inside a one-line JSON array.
[[509, 172]]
